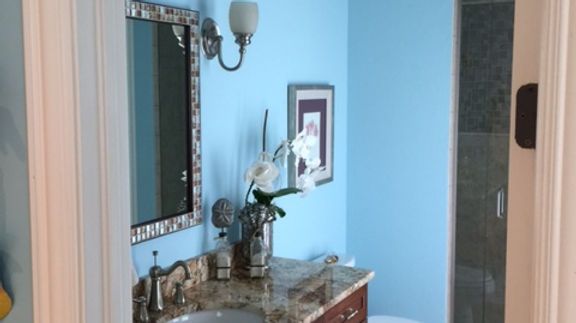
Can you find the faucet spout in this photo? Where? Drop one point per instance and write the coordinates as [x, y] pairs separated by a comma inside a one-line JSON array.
[[174, 266], [156, 301]]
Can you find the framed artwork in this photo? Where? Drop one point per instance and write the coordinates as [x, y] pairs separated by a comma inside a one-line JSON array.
[[311, 108]]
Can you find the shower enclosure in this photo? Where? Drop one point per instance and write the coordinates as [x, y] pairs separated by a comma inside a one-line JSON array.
[[486, 31]]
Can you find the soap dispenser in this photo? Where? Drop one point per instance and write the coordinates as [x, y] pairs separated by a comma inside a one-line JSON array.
[[258, 256], [223, 257], [222, 217]]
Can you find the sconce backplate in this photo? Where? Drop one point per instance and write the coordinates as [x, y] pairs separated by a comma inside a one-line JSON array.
[[211, 38]]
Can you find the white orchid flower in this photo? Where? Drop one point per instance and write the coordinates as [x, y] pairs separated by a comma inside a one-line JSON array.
[[306, 183], [302, 146], [263, 172], [313, 163]]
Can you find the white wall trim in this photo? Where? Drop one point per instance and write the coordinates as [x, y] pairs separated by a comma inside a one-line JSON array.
[[50, 69], [115, 160], [36, 153], [553, 162], [78, 160], [453, 162], [520, 235]]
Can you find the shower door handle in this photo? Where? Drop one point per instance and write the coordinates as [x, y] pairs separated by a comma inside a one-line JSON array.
[[500, 203]]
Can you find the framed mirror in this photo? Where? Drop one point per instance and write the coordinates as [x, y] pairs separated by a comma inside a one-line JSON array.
[[163, 84]]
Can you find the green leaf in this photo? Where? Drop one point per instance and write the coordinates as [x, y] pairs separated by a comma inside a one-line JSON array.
[[262, 197], [285, 191], [267, 197], [280, 211]]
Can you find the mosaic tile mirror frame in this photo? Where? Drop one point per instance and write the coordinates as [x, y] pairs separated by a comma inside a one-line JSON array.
[[165, 166]]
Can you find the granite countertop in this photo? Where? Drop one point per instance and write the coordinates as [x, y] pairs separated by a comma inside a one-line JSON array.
[[294, 291]]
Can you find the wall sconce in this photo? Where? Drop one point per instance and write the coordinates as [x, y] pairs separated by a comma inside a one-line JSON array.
[[243, 23]]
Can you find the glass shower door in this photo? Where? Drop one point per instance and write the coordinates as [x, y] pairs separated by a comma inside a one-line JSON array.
[[482, 175]]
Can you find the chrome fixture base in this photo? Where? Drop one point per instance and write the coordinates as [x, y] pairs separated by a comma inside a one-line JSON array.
[[243, 39], [212, 43], [211, 38]]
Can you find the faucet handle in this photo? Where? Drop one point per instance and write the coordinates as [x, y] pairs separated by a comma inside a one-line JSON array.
[[141, 311], [155, 270], [155, 255], [179, 298]]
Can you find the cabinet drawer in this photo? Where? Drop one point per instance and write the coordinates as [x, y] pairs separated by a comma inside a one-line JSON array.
[[353, 309]]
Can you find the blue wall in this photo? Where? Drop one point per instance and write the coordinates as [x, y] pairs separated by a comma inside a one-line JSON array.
[[15, 257], [392, 135], [298, 41], [400, 65]]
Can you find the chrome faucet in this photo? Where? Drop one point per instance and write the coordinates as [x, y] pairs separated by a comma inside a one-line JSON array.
[[156, 302]]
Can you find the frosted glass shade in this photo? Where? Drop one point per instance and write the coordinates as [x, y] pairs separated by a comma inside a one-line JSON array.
[[243, 17]]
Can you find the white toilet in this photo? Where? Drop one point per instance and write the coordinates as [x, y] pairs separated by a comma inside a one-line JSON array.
[[389, 319], [350, 261]]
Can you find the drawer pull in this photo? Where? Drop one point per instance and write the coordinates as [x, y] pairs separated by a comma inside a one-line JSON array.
[[348, 315], [351, 313]]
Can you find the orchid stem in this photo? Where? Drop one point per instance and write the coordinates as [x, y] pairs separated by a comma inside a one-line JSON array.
[[264, 131], [276, 153], [248, 193]]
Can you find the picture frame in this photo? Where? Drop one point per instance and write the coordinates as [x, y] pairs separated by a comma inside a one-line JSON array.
[[312, 106]]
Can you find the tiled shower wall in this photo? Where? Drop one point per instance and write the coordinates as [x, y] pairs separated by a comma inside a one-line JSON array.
[[483, 136], [486, 67]]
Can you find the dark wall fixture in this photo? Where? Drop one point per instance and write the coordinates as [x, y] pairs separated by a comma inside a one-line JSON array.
[[526, 115]]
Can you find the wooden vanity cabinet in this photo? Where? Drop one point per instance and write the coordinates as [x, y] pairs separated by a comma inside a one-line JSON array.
[[353, 309]]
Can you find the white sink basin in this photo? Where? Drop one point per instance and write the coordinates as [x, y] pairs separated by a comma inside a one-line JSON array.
[[220, 316]]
